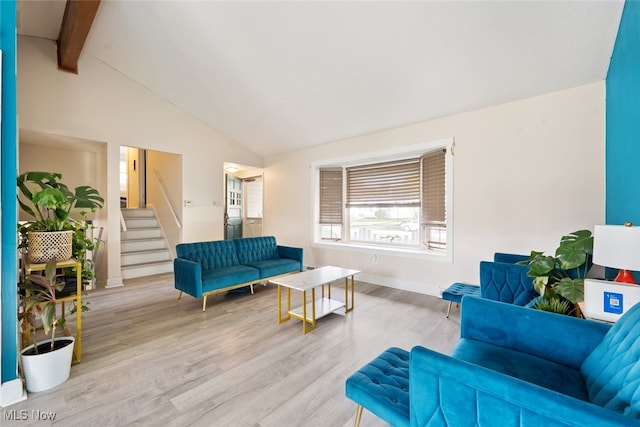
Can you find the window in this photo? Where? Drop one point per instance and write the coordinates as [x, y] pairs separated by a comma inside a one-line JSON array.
[[330, 215], [397, 202]]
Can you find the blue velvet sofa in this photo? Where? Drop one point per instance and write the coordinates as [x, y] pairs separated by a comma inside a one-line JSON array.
[[512, 366], [206, 268]]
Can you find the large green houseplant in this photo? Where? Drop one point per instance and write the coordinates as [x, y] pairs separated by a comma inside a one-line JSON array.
[[50, 203], [559, 279]]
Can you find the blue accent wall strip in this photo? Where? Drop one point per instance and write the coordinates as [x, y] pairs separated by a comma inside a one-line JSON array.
[[623, 121], [8, 162]]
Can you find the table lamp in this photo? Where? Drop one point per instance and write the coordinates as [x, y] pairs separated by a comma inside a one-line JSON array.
[[618, 246]]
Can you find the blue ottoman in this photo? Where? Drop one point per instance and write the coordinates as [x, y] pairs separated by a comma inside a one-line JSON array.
[[455, 292], [382, 386]]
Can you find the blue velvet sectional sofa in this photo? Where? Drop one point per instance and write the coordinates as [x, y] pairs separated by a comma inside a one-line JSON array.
[[206, 268], [513, 366]]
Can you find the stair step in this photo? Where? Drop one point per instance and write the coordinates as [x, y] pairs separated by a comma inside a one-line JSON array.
[[142, 270], [136, 222], [144, 257], [137, 213], [133, 245], [141, 233], [143, 249]]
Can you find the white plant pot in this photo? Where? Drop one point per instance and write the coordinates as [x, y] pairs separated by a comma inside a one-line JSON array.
[[46, 370]]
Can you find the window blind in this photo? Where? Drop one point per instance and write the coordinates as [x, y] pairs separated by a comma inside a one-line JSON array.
[[331, 196], [384, 184], [434, 209]]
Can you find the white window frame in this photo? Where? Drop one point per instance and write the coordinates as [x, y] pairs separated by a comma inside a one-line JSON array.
[[381, 156]]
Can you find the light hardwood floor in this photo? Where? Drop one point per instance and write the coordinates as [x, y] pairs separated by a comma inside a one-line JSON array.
[[149, 359]]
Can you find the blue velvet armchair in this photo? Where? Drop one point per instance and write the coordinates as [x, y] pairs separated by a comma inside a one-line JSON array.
[[513, 366], [500, 280], [503, 280]]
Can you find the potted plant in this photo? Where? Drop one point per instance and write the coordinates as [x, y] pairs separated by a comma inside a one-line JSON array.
[[50, 202], [559, 279], [47, 363]]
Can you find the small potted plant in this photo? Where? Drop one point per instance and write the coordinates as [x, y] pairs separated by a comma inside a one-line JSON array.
[[49, 202], [559, 279], [47, 363]]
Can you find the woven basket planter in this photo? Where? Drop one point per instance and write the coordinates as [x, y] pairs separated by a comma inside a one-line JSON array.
[[43, 246]]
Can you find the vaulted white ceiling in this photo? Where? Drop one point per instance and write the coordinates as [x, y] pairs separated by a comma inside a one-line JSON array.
[[282, 76]]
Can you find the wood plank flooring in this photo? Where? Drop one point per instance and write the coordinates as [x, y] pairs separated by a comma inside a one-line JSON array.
[[149, 359]]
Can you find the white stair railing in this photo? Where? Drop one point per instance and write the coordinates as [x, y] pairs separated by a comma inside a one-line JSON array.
[[166, 198], [123, 225]]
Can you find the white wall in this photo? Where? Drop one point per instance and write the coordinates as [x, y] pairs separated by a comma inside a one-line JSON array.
[[102, 105], [525, 173], [164, 177]]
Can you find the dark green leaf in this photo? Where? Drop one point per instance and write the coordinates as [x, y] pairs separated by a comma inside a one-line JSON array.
[[48, 317], [541, 266], [574, 248], [571, 289]]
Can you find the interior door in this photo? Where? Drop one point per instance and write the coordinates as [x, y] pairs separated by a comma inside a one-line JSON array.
[[233, 210], [252, 208]]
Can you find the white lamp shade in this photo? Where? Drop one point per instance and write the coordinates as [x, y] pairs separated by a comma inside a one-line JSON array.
[[617, 246]]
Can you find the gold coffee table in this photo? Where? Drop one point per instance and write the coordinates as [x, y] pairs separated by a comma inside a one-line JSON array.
[[309, 280]]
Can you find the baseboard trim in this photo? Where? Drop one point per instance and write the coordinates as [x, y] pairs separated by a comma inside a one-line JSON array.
[[405, 285], [115, 282], [12, 392]]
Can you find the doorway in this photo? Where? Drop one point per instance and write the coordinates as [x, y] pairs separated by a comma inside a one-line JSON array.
[[233, 211], [153, 180], [133, 186], [243, 201]]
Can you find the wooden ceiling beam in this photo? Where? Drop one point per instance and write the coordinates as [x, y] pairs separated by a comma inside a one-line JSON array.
[[76, 23]]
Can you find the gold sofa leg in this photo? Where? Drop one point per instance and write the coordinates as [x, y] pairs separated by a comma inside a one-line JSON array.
[[204, 303], [358, 415]]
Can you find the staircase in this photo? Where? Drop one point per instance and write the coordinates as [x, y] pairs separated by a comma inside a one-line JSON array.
[[143, 248]]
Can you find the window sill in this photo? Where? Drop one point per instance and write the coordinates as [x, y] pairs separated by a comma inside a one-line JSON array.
[[424, 255]]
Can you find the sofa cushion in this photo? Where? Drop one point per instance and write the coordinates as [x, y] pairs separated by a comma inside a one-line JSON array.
[[612, 370], [275, 267], [524, 366], [254, 249], [382, 386], [210, 255], [228, 276]]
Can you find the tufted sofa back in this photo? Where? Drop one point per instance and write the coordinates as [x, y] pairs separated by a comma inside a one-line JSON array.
[[509, 258], [506, 282], [252, 249], [612, 370], [210, 255]]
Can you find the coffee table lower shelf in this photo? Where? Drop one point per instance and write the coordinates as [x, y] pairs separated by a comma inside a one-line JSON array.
[[323, 307]]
